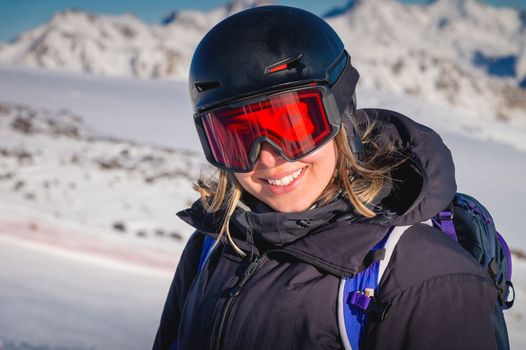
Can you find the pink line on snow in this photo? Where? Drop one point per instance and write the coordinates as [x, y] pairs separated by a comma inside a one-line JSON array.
[[68, 240]]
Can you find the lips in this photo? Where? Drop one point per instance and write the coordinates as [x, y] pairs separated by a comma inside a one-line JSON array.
[[280, 180]]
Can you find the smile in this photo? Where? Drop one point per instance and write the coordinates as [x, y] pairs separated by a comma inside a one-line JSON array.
[[286, 180]]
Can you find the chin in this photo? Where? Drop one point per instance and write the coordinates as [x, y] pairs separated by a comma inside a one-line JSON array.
[[290, 206]]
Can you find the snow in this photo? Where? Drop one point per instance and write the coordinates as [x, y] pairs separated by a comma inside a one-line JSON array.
[[431, 55], [50, 162], [125, 107], [122, 45], [57, 301], [81, 157]]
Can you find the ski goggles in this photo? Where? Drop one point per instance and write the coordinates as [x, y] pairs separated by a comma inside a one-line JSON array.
[[295, 122]]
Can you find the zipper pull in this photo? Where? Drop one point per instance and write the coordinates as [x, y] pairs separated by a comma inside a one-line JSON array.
[[251, 268], [250, 241]]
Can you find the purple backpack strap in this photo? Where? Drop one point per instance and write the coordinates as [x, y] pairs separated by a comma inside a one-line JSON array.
[[444, 221], [507, 252]]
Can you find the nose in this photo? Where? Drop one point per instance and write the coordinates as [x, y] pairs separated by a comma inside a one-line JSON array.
[[269, 157]]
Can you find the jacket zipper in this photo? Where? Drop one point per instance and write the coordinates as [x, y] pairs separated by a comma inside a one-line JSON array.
[[313, 262], [233, 293]]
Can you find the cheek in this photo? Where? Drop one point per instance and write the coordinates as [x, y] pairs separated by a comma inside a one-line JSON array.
[[325, 157], [248, 182]]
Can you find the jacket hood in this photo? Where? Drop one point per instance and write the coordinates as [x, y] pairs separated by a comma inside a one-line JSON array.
[[425, 183], [420, 188]]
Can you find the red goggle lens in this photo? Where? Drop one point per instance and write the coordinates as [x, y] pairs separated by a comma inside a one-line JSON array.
[[295, 122]]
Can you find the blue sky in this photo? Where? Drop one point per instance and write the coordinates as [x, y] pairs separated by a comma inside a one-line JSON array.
[[17, 16]]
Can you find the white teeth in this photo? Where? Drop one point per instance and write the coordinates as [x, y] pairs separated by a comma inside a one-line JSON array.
[[286, 180]]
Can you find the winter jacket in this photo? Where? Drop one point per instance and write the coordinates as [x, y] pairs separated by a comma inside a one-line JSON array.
[[284, 294]]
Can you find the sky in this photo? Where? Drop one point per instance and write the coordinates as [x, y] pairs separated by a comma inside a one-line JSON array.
[[21, 15]]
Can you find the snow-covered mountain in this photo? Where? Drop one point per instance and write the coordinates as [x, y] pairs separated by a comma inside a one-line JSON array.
[[458, 53], [102, 45], [121, 45]]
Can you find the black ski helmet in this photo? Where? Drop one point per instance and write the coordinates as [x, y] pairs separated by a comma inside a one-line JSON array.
[[265, 49]]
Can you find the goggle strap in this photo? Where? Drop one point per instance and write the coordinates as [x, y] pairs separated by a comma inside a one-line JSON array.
[[355, 142], [345, 86]]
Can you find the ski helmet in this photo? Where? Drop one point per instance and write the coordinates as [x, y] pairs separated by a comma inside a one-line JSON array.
[[264, 50], [268, 48]]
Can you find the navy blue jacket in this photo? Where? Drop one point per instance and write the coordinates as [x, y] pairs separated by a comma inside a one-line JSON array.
[[283, 295]]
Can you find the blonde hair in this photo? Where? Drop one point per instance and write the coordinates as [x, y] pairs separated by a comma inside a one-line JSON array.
[[360, 178]]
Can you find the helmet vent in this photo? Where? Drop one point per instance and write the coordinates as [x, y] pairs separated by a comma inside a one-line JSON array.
[[206, 85], [283, 64]]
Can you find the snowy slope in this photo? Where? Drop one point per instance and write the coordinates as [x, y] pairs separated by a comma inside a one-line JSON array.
[[86, 180], [123, 107], [63, 300], [459, 53], [51, 167]]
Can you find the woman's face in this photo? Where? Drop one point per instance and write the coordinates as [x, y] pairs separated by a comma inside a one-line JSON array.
[[289, 186]]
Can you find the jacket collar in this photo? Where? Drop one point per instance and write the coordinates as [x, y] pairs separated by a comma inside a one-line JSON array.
[[330, 237]]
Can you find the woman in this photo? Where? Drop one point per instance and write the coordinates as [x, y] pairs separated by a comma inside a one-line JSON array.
[[307, 186]]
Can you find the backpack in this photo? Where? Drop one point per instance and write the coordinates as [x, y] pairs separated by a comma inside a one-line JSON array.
[[467, 222]]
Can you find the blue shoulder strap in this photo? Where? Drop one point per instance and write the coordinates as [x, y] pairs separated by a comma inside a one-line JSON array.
[[205, 252], [356, 294]]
